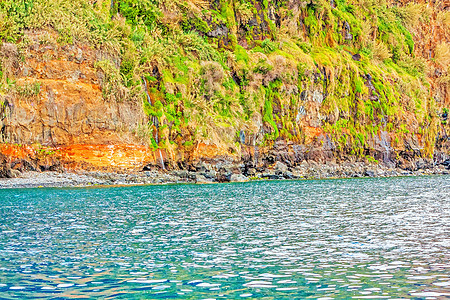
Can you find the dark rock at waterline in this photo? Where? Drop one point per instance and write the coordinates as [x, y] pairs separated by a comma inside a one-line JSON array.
[[202, 179], [446, 163], [369, 173], [209, 175], [224, 176], [307, 170], [202, 167], [180, 173], [152, 167], [271, 176], [422, 164], [289, 175], [51, 167]]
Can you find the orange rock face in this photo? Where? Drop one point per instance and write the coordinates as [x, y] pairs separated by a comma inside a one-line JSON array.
[[82, 156], [312, 132], [109, 156], [59, 101], [59, 107], [17, 152]]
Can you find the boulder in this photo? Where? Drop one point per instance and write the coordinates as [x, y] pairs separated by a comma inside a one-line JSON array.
[[280, 167], [180, 173], [369, 173], [251, 171], [270, 176], [202, 179], [238, 178], [289, 175], [224, 177]]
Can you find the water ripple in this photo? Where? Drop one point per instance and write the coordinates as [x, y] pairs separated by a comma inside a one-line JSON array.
[[362, 239]]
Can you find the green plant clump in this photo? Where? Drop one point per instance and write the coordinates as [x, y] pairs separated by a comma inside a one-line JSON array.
[[210, 69]]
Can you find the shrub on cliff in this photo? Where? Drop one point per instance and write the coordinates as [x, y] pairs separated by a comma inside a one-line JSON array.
[[212, 69]]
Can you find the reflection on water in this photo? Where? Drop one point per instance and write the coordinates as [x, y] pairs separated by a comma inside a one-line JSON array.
[[362, 239]]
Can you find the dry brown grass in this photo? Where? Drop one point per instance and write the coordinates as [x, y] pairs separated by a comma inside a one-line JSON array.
[[444, 80], [442, 54], [411, 14], [9, 60], [381, 51], [198, 4], [173, 6], [5, 25], [244, 12], [368, 4], [443, 18], [367, 30], [212, 74]]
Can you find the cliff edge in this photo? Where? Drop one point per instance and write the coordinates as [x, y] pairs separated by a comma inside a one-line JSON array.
[[169, 85]]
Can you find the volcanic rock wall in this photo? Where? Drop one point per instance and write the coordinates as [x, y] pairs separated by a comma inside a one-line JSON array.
[[57, 97]]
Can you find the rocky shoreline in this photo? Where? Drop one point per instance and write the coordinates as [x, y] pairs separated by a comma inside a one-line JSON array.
[[204, 173]]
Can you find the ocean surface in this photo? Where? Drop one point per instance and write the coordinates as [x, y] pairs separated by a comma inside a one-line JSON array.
[[383, 238]]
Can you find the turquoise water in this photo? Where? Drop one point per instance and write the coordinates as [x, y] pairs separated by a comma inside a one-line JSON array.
[[330, 239]]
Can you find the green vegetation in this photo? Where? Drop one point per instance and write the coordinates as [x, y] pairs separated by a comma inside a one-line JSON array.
[[212, 69], [27, 89]]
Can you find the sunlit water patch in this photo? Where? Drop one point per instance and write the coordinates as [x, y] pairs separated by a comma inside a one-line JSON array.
[[362, 239]]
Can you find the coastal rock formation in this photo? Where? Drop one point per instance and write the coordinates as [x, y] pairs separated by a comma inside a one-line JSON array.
[[247, 87]]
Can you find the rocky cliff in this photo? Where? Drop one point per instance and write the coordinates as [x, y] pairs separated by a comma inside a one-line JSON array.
[[167, 84]]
